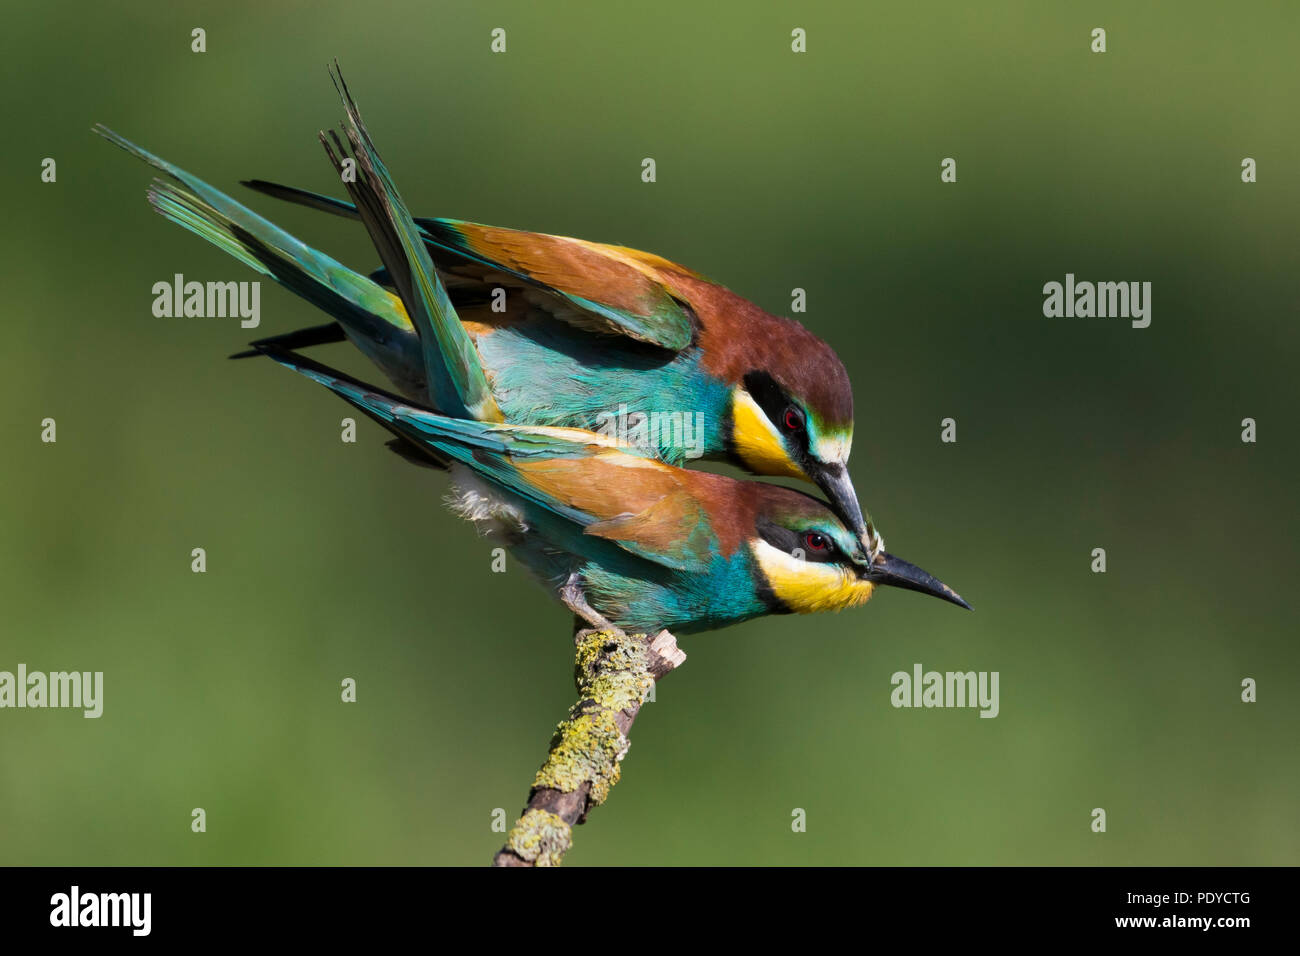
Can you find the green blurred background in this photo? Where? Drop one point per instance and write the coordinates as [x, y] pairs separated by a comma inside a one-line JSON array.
[[775, 171]]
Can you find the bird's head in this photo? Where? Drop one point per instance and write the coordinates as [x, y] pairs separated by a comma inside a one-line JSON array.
[[810, 561], [798, 421]]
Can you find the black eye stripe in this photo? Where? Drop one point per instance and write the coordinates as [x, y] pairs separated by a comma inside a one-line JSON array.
[[774, 401], [796, 542]]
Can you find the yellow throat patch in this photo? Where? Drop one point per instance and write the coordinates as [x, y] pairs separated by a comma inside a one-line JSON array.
[[756, 440], [807, 587]]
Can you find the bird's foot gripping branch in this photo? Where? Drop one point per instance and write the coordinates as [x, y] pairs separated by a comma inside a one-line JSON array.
[[614, 673]]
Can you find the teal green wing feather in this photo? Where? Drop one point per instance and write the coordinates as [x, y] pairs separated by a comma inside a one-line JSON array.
[[670, 528], [373, 317], [457, 383], [484, 448]]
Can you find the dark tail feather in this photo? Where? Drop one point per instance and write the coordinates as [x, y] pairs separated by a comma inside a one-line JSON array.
[[299, 339], [303, 197], [417, 454]]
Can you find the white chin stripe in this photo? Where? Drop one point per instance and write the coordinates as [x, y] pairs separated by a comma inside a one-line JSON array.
[[834, 448]]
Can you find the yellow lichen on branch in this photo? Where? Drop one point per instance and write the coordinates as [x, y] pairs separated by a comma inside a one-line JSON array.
[[540, 838], [614, 673]]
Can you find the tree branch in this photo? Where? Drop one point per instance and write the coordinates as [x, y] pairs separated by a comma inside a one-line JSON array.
[[614, 674]]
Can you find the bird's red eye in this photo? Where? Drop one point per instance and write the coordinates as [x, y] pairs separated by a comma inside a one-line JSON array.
[[816, 542], [792, 420]]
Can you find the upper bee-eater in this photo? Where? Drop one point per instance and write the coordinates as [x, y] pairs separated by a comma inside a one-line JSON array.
[[624, 539], [588, 329]]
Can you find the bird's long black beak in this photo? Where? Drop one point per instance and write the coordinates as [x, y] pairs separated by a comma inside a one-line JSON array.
[[897, 573], [835, 483]]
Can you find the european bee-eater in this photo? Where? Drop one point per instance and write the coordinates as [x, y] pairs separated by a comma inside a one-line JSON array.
[[588, 330], [625, 539]]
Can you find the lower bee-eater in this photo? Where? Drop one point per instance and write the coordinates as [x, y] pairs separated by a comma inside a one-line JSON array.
[[624, 539]]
